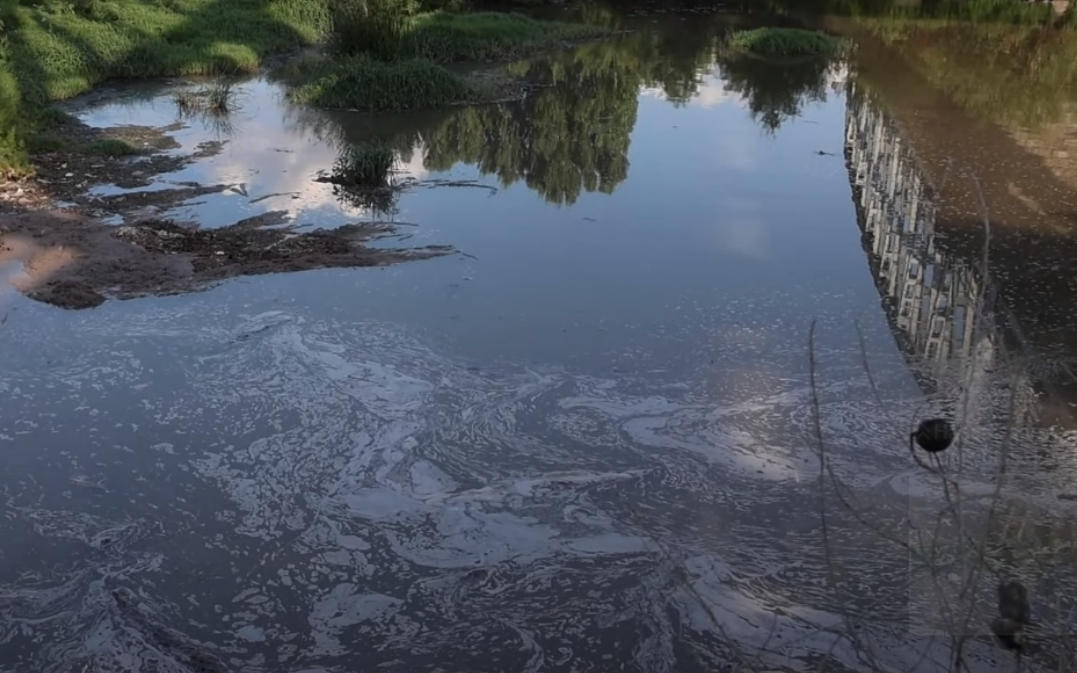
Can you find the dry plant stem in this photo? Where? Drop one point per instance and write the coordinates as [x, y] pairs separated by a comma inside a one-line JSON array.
[[825, 469], [929, 556], [1011, 407], [912, 450], [979, 547], [957, 641], [954, 504], [926, 556], [845, 502], [817, 427], [938, 470], [862, 344], [945, 175]]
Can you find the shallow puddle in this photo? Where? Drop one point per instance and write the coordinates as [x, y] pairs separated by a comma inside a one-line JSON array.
[[589, 442]]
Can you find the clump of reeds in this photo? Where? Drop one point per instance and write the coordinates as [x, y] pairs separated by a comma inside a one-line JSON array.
[[367, 166], [217, 98]]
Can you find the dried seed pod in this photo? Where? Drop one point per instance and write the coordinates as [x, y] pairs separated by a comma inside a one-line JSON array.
[[1009, 633], [934, 435]]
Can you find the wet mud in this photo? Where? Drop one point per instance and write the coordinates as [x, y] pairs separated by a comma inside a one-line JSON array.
[[73, 261], [74, 158]]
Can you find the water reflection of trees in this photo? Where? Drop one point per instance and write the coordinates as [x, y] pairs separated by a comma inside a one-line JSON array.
[[1008, 74], [976, 11], [776, 91], [1008, 61], [571, 134]]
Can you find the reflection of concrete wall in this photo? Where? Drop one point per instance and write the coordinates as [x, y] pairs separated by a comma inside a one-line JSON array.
[[936, 305]]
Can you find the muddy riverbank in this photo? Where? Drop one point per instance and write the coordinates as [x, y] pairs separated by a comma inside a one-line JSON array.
[[74, 261]]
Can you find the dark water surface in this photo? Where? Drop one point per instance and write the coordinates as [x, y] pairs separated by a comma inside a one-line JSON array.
[[588, 444]]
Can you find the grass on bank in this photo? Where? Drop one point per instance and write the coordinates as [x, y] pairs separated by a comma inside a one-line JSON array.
[[59, 49], [784, 42], [52, 50], [388, 30], [56, 49], [386, 60], [490, 36]]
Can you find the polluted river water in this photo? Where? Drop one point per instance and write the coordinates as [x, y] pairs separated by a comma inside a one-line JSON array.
[[588, 438]]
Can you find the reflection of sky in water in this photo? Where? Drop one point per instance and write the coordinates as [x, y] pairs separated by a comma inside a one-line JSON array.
[[711, 92], [559, 448], [718, 229], [269, 158]]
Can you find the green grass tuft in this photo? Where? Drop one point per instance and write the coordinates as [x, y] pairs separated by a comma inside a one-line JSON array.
[[367, 166], [362, 177], [362, 83], [217, 99], [784, 42]]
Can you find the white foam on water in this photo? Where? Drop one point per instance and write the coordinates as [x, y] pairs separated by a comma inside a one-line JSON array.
[[358, 492]]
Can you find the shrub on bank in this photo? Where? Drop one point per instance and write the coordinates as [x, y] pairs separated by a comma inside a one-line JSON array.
[[375, 27]]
